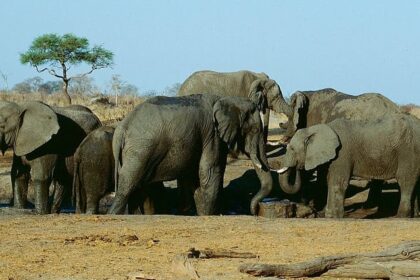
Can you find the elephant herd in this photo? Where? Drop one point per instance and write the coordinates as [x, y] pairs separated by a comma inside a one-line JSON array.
[[188, 138]]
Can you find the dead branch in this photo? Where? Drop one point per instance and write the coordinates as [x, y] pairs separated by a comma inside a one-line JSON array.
[[405, 251], [211, 254]]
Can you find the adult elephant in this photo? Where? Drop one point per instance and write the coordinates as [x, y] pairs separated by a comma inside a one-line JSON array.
[[322, 106], [256, 86], [43, 139], [187, 138], [380, 149]]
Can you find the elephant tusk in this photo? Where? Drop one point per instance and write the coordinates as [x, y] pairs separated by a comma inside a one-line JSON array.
[[276, 143], [280, 171], [258, 165], [262, 118]]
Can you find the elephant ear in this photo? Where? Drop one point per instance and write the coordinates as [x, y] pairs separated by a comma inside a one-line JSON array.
[[321, 145], [38, 123], [299, 103], [228, 119], [257, 94]]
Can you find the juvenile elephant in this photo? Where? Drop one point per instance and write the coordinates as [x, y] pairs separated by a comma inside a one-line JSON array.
[[44, 140], [187, 138], [382, 149], [256, 86], [93, 176]]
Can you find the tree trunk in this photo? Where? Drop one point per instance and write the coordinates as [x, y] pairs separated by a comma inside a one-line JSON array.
[[66, 93]]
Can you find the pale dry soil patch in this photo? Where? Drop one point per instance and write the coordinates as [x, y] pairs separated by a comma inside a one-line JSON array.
[[112, 247]]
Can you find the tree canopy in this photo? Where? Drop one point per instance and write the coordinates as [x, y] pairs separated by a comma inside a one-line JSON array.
[[56, 54]]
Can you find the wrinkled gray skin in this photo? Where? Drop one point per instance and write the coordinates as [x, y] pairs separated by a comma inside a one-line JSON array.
[[323, 106], [187, 138], [94, 176], [44, 140], [93, 170], [383, 149], [256, 86]]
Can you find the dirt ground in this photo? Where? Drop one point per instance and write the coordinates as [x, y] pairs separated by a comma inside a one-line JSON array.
[[69, 246]]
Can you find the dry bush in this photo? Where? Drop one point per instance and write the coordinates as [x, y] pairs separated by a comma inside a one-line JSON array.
[[107, 113]]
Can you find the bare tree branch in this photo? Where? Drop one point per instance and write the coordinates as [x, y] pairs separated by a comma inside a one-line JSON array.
[[94, 67], [52, 72]]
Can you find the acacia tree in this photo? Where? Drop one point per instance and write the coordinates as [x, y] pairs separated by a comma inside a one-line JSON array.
[[53, 53]]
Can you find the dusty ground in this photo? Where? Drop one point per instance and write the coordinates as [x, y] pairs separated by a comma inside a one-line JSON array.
[[69, 246]]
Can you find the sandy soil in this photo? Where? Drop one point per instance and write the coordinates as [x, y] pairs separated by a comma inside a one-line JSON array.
[[69, 246]]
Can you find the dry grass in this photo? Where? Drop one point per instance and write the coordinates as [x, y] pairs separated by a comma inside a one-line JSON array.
[[107, 113]]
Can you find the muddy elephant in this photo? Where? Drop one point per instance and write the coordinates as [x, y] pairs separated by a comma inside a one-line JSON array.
[[256, 86], [93, 177], [322, 106], [43, 139], [384, 149], [188, 138]]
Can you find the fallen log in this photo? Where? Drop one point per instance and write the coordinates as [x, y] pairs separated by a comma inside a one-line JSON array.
[[215, 253], [405, 251], [377, 270]]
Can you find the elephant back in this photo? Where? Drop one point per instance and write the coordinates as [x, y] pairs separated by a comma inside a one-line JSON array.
[[368, 106], [81, 115], [222, 83]]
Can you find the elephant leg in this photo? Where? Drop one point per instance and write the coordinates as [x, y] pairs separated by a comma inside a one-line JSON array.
[[336, 193], [129, 176], [320, 193], [57, 197], [417, 200], [211, 171], [42, 176], [156, 201], [406, 207], [92, 204], [41, 187], [20, 175], [135, 201], [186, 188], [266, 186]]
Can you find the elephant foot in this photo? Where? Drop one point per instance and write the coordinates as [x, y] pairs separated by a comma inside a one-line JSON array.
[[403, 214], [19, 206], [55, 210], [18, 203], [42, 210], [334, 214]]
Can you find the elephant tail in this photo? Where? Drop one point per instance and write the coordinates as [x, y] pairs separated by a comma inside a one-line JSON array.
[[117, 146], [77, 196]]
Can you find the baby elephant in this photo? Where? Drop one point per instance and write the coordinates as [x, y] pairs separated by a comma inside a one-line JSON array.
[[382, 149], [93, 170], [94, 176]]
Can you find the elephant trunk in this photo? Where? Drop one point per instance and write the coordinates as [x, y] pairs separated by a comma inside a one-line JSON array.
[[264, 176], [279, 105], [284, 176], [258, 156]]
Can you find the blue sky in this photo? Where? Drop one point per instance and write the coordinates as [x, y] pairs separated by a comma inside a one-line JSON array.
[[353, 46]]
